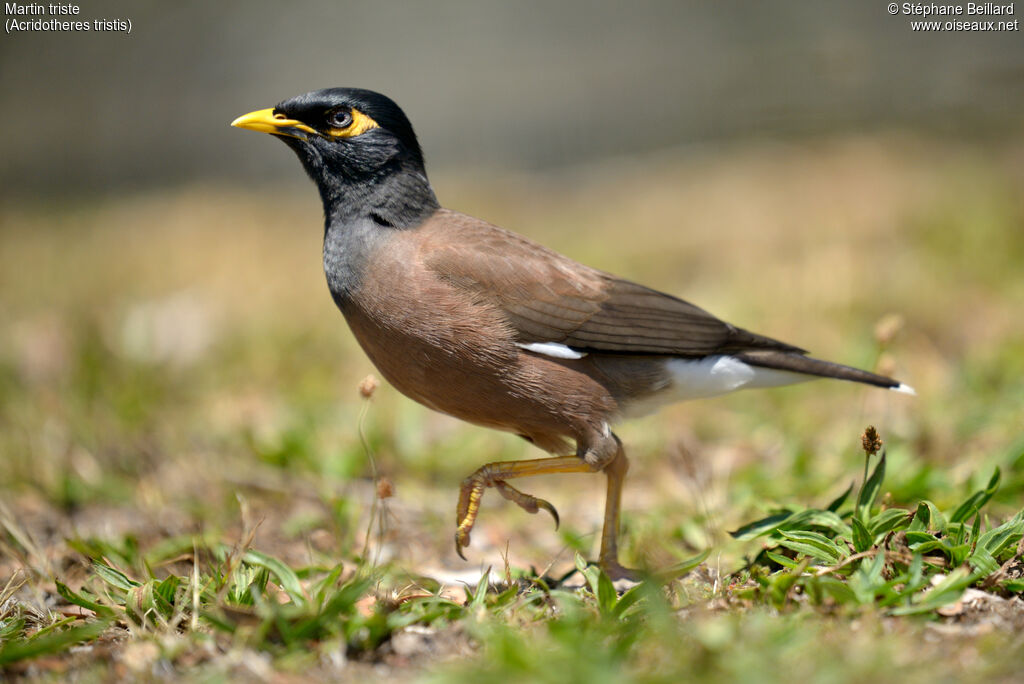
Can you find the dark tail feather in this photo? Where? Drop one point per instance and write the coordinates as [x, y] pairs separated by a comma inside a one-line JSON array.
[[825, 369]]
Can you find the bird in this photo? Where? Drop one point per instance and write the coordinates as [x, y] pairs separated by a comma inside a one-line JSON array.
[[485, 325]]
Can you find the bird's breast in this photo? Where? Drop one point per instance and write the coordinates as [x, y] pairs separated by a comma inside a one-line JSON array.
[[458, 354], [350, 247], [428, 339]]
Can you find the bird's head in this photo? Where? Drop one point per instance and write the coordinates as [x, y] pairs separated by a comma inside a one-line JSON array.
[[344, 137]]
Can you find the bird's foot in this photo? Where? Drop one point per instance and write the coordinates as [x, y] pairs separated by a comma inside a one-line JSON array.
[[529, 503], [465, 516], [615, 571], [472, 491], [462, 538]]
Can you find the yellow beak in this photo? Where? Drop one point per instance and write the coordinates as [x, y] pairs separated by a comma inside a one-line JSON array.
[[266, 121]]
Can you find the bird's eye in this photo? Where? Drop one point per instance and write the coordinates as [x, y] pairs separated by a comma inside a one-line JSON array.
[[340, 118]]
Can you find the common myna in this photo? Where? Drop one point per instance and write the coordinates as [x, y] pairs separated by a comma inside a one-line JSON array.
[[487, 326]]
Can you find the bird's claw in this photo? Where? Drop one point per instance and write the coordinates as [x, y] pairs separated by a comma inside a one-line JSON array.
[[461, 541], [550, 509], [462, 532], [529, 503], [469, 504], [465, 515]]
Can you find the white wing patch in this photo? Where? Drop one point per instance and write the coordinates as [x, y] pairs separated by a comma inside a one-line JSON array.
[[553, 349]]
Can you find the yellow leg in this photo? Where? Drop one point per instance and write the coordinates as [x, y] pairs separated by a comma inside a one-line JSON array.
[[495, 474], [609, 558], [489, 475]]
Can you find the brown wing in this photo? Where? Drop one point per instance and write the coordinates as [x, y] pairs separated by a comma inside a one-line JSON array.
[[547, 297]]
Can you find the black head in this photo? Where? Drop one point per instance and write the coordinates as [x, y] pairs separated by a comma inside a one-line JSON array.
[[351, 141]]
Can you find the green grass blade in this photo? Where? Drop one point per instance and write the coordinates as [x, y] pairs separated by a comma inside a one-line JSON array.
[[887, 521], [55, 642], [983, 562], [79, 600], [114, 577], [867, 581], [606, 594], [840, 591], [167, 590], [478, 599], [285, 576], [938, 521], [813, 517], [327, 583], [11, 627], [779, 559], [922, 518], [631, 597], [678, 570], [761, 527], [1004, 538], [812, 544], [947, 591], [861, 537], [975, 501]]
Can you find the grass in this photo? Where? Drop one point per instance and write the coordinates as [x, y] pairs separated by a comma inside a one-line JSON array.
[[193, 486]]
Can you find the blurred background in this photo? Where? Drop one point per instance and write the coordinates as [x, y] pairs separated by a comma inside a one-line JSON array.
[[526, 85], [817, 172]]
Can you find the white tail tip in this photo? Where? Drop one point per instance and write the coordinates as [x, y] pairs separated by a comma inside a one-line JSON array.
[[905, 389]]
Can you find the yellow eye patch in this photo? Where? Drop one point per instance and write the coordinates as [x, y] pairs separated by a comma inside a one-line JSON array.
[[360, 124]]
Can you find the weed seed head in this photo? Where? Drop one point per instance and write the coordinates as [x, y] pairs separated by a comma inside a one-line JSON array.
[[871, 441], [367, 386]]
